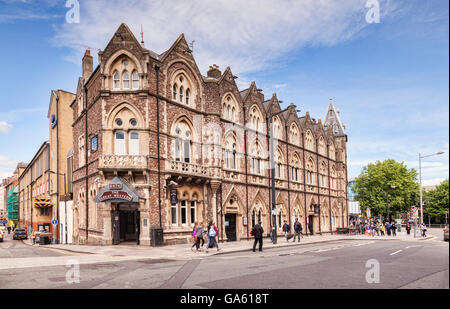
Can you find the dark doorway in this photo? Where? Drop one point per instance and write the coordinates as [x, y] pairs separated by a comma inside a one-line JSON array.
[[126, 224], [230, 227], [311, 225]]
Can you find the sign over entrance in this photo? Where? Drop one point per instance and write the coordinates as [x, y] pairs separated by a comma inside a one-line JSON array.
[[118, 191]]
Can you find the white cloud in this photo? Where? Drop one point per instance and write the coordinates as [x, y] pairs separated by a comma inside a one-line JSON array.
[[246, 35], [5, 127]]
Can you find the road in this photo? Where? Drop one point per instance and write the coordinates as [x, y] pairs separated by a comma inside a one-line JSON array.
[[334, 265]]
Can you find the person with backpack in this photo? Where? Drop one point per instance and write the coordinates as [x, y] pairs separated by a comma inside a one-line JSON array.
[[297, 229], [286, 230], [258, 232], [388, 228], [200, 232], [212, 233]]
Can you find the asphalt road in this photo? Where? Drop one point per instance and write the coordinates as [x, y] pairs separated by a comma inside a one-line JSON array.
[[335, 265]]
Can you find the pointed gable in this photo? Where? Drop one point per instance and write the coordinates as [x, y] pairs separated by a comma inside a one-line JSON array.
[[332, 119]]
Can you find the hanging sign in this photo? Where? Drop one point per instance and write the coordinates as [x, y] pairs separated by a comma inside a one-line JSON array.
[[244, 221]]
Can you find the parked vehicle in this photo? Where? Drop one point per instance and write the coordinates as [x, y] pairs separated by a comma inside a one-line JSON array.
[[43, 234], [19, 234], [446, 234]]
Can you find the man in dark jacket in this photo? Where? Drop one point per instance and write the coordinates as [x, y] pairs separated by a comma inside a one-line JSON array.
[[297, 229], [258, 232], [286, 230]]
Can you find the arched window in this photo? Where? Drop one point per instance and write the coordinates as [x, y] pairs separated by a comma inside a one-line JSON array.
[[126, 79], [279, 164], [230, 152], [253, 218], [333, 178], [183, 212], [229, 108], [294, 135], [255, 118], [184, 87], [183, 142], [277, 128], [322, 149], [116, 78], [295, 168], [134, 143], [256, 159], [135, 77], [323, 175], [181, 94], [310, 172], [188, 96], [332, 152], [119, 143], [309, 141], [175, 91], [122, 68], [193, 212]]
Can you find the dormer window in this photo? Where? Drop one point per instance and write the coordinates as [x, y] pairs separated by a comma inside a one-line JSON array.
[[181, 90], [125, 75]]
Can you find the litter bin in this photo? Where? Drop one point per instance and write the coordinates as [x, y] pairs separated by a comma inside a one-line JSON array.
[[157, 238], [44, 240]]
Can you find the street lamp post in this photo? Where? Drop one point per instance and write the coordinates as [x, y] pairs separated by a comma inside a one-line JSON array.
[[420, 180], [387, 200], [272, 174]]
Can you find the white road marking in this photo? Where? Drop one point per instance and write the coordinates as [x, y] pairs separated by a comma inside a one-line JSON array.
[[396, 252], [412, 247]]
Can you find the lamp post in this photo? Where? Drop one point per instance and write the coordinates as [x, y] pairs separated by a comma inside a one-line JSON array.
[[390, 188], [272, 174], [420, 180], [65, 209]]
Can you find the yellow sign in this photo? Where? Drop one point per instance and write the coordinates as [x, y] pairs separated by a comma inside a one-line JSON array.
[[42, 203], [369, 215]]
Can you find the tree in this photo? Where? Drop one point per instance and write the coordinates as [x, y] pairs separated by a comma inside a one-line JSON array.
[[377, 178], [436, 202]]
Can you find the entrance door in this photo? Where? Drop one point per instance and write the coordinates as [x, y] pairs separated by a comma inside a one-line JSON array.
[[116, 227], [129, 223], [230, 227], [311, 225]]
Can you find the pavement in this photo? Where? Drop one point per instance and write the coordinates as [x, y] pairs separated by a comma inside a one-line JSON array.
[[184, 252]]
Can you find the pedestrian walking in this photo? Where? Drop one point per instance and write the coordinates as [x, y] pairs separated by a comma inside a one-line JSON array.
[[423, 227], [297, 229], [286, 230], [194, 236], [258, 232], [212, 233], [394, 228], [33, 237], [200, 232], [388, 228], [9, 229], [382, 228], [408, 228]]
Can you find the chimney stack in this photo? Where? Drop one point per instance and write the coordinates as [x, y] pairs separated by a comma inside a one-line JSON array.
[[88, 65], [214, 71]]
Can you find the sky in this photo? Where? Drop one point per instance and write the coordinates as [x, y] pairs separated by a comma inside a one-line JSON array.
[[388, 77]]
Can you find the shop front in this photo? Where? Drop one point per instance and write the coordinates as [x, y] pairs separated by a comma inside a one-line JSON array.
[[125, 214]]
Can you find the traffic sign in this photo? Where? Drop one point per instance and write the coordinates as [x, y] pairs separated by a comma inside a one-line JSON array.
[[55, 222]]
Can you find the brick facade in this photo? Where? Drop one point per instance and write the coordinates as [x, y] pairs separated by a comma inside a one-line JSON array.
[[194, 133]]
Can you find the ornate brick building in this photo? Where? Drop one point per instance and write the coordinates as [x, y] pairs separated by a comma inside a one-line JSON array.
[[159, 145]]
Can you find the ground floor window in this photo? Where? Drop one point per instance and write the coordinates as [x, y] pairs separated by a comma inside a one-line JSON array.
[[174, 215], [193, 212]]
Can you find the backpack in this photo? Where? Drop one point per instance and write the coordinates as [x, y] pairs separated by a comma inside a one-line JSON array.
[[212, 232], [256, 231]]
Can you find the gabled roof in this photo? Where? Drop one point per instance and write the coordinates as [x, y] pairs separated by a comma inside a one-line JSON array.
[[332, 118]]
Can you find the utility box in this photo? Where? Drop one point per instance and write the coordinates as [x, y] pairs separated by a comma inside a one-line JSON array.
[[157, 237]]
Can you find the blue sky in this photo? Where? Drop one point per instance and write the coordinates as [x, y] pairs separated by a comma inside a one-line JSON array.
[[389, 79]]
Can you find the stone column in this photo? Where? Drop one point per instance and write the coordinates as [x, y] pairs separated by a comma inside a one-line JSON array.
[[107, 224], [214, 186]]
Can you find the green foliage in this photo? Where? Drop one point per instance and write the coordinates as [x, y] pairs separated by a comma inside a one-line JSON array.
[[375, 179], [436, 201]]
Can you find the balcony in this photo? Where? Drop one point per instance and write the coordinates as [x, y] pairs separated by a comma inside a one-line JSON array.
[[188, 169], [115, 162]]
